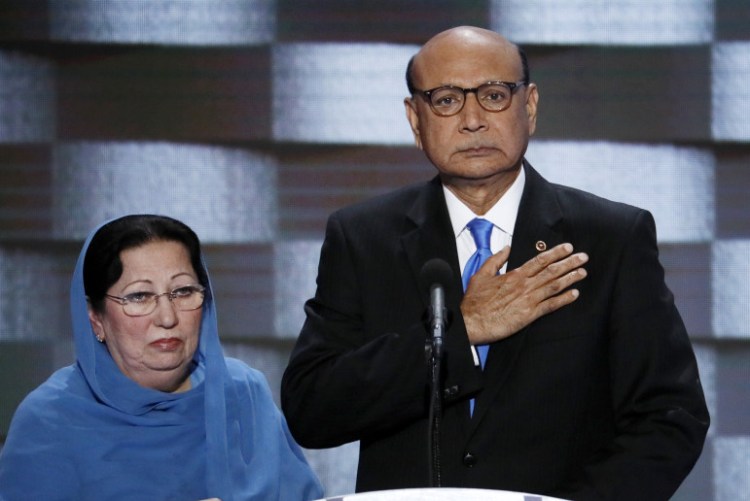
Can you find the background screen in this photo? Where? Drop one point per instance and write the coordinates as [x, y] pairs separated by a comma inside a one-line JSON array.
[[252, 120]]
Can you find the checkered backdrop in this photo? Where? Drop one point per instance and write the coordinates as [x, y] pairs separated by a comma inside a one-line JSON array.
[[251, 120]]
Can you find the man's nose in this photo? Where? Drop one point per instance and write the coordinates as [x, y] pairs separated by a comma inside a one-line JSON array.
[[473, 115]]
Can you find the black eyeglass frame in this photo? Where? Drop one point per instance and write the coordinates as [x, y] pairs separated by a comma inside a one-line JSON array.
[[512, 87]]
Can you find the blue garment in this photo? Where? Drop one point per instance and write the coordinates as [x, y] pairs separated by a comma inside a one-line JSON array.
[[90, 432]]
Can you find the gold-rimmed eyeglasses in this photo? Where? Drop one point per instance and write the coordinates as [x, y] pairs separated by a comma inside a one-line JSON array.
[[139, 304], [448, 100]]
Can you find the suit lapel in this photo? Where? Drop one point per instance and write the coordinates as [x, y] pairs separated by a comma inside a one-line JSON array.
[[429, 235]]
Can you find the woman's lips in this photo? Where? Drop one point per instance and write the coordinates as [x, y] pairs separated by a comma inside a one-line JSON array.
[[167, 344]]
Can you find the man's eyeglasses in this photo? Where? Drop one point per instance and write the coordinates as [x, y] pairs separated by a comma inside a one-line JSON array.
[[139, 304], [449, 99]]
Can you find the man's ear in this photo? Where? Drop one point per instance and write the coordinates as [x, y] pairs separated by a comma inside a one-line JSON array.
[[532, 102], [413, 117]]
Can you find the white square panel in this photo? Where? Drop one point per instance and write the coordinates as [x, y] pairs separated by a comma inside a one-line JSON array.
[[730, 288], [675, 183], [169, 22], [341, 93], [295, 269], [730, 91], [27, 98], [731, 467], [224, 194], [611, 22]]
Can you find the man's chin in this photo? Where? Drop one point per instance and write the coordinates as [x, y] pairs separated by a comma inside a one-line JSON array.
[[479, 174]]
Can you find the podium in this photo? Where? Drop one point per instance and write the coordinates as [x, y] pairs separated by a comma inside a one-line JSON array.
[[441, 494]]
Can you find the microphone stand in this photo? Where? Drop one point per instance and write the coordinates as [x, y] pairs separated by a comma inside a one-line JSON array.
[[434, 350]]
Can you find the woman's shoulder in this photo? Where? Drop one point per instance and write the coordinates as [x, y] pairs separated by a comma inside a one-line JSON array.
[[63, 383], [54, 397]]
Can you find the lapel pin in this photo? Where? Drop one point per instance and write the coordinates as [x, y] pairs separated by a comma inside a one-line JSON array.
[[541, 246]]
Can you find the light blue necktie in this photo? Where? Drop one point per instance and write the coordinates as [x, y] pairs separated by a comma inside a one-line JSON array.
[[480, 229]]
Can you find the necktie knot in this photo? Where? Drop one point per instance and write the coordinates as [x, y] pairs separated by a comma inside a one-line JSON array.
[[480, 229]]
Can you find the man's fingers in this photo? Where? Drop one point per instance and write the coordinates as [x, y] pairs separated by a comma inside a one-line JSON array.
[[563, 282], [556, 302], [495, 262], [566, 265], [542, 260], [557, 263], [548, 273]]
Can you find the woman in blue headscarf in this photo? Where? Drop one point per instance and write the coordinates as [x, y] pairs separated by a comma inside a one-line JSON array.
[[151, 410]]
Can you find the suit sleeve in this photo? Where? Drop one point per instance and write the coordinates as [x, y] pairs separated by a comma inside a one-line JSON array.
[[346, 380], [660, 412]]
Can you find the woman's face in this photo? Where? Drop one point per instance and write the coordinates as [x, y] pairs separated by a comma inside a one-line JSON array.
[[154, 350]]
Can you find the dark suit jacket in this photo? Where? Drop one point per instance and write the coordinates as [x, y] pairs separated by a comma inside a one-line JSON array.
[[599, 400]]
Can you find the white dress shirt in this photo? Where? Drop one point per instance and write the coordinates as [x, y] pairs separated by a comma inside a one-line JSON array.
[[502, 215]]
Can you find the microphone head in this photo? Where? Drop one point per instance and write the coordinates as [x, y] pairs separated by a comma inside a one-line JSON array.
[[435, 272]]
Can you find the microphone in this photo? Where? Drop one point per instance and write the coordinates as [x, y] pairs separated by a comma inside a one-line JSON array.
[[434, 278]]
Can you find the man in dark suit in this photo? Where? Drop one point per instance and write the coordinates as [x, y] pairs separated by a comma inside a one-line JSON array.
[[590, 388]]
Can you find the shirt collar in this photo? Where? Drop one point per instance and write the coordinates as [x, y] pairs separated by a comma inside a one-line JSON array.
[[502, 214]]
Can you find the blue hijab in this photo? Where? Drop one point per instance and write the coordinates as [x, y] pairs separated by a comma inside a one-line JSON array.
[[90, 432]]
